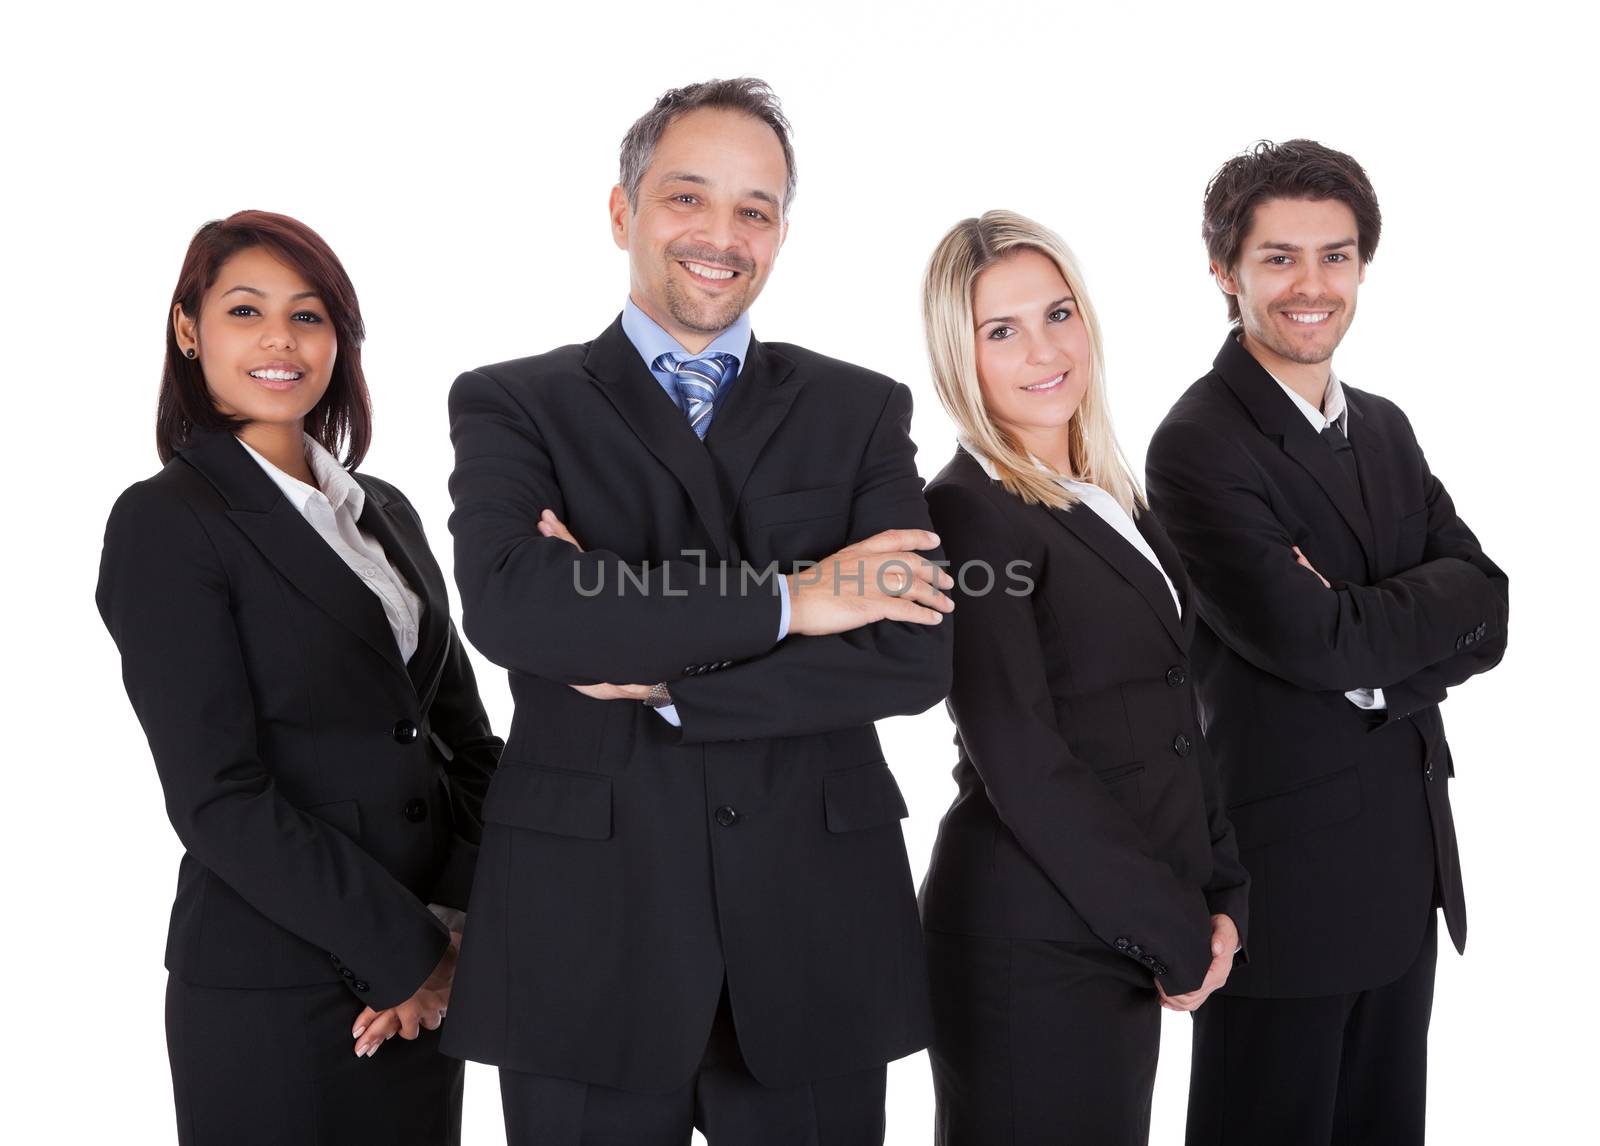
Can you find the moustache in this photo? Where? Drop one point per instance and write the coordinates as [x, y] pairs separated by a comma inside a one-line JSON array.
[[711, 257]]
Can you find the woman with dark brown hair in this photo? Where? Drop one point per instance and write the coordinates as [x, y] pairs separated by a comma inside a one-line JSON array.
[[286, 642]]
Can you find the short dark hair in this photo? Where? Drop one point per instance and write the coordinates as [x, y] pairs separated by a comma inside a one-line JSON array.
[[1297, 169], [344, 414], [751, 96]]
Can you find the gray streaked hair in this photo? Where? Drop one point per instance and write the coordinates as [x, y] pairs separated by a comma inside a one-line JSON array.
[[748, 95]]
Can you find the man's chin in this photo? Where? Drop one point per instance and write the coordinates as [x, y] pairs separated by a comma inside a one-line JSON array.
[[704, 320]]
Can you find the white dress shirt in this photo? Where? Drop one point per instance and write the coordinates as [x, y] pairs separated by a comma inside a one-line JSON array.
[[1334, 412], [333, 511]]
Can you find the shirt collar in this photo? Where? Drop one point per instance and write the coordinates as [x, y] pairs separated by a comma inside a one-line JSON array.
[[652, 342], [1333, 412], [338, 487]]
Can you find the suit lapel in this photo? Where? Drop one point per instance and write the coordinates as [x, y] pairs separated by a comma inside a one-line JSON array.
[[1104, 540], [1373, 456], [387, 524], [1275, 414], [1172, 565], [758, 399], [622, 376], [289, 543]]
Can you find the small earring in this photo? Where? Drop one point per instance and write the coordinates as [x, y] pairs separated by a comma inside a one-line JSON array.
[[189, 353]]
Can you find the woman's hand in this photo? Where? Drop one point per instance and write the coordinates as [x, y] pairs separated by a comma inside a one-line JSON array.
[[426, 1008], [1224, 943]]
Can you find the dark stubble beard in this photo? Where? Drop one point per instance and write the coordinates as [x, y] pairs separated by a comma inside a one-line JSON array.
[[1312, 355], [699, 314]]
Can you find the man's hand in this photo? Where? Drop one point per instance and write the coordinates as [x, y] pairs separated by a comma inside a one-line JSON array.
[[552, 526], [1224, 943], [426, 1008], [882, 578], [1300, 559]]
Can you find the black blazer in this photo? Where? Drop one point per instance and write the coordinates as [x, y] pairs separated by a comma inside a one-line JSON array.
[[1343, 817], [629, 866], [324, 792], [1087, 806]]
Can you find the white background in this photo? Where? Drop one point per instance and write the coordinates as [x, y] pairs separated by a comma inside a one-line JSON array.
[[458, 158]]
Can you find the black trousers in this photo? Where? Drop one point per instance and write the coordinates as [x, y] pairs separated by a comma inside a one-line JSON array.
[[723, 1101], [1040, 1042], [277, 1066], [1336, 1070]]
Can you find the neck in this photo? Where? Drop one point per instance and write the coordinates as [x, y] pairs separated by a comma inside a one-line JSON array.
[[694, 341], [1307, 379], [1052, 447], [282, 444]]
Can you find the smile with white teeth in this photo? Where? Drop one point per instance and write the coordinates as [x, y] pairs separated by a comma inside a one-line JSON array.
[[1047, 384], [276, 375], [1307, 319], [716, 274]]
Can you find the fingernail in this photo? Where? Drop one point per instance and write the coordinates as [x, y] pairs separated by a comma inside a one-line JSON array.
[[358, 1032]]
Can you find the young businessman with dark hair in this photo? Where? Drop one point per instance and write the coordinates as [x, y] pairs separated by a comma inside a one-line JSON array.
[[1340, 597], [695, 910]]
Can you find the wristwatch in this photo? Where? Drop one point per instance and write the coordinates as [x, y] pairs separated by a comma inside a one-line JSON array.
[[659, 696]]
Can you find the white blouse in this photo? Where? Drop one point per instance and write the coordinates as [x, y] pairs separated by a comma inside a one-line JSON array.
[[333, 511]]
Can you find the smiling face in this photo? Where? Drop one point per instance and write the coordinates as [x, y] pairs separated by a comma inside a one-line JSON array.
[[1033, 354], [708, 223], [1295, 281], [263, 340]]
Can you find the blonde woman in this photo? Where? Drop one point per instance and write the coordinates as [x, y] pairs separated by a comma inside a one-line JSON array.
[[1085, 872]]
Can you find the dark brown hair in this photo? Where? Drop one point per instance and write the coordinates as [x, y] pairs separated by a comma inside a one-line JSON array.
[[751, 96], [1297, 169], [344, 414]]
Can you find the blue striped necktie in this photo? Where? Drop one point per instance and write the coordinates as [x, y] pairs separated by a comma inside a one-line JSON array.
[[696, 382]]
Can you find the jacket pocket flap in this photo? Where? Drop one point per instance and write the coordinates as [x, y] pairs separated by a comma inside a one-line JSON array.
[[864, 797], [1315, 805], [574, 804]]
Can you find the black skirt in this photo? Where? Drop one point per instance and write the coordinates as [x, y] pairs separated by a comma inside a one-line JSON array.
[[278, 1065]]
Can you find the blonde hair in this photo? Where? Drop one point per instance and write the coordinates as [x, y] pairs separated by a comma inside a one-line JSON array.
[[966, 251]]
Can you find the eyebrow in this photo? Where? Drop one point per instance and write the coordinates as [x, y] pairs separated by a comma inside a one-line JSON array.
[[1008, 318], [263, 294], [1294, 248], [689, 177]]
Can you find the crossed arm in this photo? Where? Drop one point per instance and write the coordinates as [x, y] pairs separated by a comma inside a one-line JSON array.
[[1402, 634]]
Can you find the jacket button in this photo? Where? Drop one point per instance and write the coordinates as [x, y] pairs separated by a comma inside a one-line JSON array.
[[1181, 744], [725, 664], [1427, 771], [1160, 968], [1121, 942], [726, 816], [360, 985], [1136, 951], [406, 732], [1176, 676], [416, 811], [347, 973], [334, 959], [1482, 630]]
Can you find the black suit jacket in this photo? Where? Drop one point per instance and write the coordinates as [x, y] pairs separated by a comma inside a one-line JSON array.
[[324, 792], [1088, 807], [630, 866], [1343, 817]]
